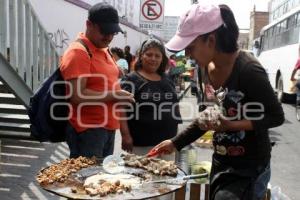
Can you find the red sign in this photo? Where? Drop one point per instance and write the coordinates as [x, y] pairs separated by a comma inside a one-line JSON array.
[[152, 9]]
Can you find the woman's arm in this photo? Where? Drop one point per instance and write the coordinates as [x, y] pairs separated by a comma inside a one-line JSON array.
[[297, 67], [293, 75], [187, 136], [267, 110], [127, 142]]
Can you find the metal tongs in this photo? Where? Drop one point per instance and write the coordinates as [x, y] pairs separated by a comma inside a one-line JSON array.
[[179, 180]]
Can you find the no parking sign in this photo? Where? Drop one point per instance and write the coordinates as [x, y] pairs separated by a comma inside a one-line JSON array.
[[152, 14]]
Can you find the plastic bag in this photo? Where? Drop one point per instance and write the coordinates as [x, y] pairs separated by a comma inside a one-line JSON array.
[[277, 194]]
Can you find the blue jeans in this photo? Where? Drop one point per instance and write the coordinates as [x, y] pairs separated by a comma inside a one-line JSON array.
[[248, 183], [97, 142], [261, 183]]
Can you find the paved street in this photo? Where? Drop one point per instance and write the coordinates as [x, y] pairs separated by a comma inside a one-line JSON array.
[[21, 160]]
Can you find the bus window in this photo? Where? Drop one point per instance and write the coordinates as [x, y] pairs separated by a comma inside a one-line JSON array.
[[283, 26], [298, 19], [266, 40], [291, 22]]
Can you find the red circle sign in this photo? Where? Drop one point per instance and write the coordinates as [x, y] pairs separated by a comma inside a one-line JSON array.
[[151, 13]]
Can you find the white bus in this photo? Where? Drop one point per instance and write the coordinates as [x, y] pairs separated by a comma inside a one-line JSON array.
[[279, 51]]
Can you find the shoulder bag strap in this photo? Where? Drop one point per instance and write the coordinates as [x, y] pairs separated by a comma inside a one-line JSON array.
[[85, 46]]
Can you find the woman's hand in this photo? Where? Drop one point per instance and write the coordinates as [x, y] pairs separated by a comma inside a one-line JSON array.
[[127, 142], [165, 147], [222, 125], [124, 96], [227, 125]]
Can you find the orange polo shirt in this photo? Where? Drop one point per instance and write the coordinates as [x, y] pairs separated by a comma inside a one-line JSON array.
[[102, 75]]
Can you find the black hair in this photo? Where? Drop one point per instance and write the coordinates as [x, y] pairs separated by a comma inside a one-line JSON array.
[[117, 51], [153, 43], [226, 35]]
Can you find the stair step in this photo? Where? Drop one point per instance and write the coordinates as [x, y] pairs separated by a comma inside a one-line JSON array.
[[14, 118], [14, 134], [4, 89], [12, 109], [14, 127], [8, 99]]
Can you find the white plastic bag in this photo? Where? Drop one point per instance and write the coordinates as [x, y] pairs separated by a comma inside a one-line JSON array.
[[277, 194]]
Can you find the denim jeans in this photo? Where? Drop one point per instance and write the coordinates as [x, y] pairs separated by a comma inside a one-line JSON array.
[[97, 142], [247, 183], [261, 183]]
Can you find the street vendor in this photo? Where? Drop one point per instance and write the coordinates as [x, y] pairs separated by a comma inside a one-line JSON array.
[[244, 104]]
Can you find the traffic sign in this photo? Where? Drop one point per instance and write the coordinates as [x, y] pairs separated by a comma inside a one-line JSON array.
[[152, 11], [152, 14]]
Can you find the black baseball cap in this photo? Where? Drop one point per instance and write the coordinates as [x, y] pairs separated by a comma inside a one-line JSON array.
[[106, 16]]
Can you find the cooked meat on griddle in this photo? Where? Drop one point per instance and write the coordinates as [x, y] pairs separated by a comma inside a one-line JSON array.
[[153, 165], [105, 184], [59, 172]]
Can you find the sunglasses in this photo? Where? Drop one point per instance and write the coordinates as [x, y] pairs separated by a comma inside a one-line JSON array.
[[106, 34]]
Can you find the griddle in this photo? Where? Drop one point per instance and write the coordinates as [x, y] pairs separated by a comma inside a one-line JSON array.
[[145, 191]]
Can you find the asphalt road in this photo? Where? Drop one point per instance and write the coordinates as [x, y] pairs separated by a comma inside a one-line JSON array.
[[21, 159]]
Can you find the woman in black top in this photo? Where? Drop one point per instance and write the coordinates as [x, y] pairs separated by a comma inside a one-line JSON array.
[[236, 82], [154, 116]]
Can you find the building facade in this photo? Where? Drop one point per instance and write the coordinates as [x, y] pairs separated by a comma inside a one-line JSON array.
[[257, 21], [243, 39], [170, 27]]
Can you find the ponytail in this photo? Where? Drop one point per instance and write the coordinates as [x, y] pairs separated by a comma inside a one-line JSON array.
[[227, 35]]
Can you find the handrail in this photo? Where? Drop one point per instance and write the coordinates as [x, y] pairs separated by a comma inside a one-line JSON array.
[[25, 43]]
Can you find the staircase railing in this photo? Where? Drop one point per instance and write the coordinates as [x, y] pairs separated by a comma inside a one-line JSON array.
[[25, 43]]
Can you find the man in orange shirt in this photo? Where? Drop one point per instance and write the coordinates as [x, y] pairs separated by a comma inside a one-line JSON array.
[[94, 90]]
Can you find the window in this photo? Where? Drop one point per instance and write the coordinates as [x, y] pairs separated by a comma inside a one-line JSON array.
[[298, 19], [291, 21], [277, 29], [283, 26], [283, 33]]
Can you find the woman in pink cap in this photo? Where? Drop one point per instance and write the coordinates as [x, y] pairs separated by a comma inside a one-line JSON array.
[[236, 82]]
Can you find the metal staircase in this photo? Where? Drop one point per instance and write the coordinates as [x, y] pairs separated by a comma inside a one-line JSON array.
[[27, 58]]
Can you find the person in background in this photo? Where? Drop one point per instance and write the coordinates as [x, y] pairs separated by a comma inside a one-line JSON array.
[[128, 56], [293, 76], [94, 89], [118, 55], [234, 81], [152, 89], [172, 62], [170, 67]]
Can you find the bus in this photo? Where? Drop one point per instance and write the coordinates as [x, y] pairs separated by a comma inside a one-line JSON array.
[[279, 51]]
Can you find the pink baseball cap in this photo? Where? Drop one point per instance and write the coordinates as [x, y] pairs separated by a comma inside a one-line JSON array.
[[200, 19]]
